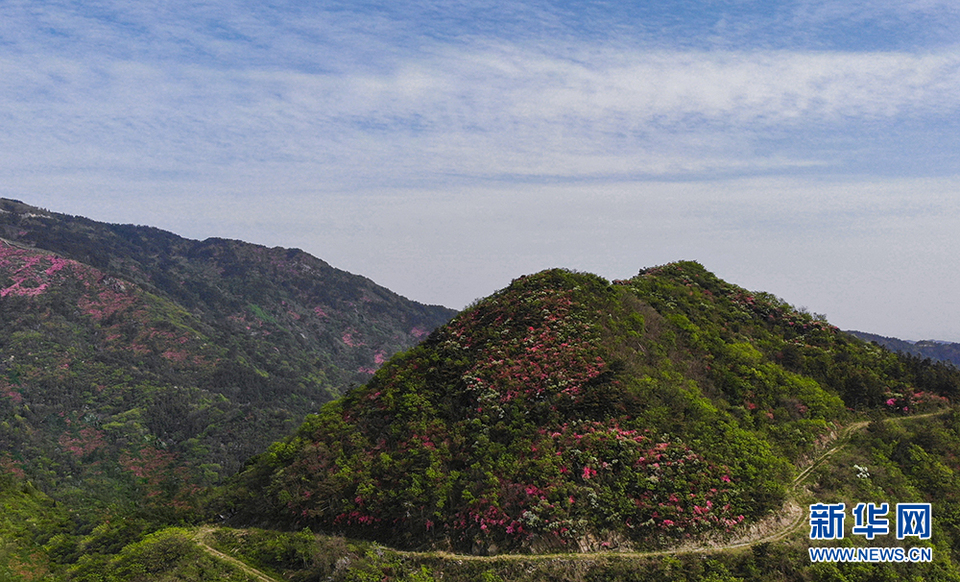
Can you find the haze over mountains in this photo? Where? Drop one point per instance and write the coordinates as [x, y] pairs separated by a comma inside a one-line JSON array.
[[933, 349], [154, 388]]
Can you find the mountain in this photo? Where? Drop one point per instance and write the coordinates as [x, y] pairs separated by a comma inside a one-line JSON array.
[[933, 349], [137, 366], [672, 424], [567, 412]]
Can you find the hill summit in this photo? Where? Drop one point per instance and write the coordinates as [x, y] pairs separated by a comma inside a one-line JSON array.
[[566, 411]]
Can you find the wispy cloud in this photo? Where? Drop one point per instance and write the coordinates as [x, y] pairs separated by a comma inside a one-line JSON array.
[[485, 110]]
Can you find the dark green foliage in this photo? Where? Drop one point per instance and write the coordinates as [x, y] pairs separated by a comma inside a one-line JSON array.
[[304, 556]]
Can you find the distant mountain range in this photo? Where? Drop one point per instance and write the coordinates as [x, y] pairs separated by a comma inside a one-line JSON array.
[[125, 347], [935, 350]]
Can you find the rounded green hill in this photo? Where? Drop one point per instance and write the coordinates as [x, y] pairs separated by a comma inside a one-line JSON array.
[[568, 412]]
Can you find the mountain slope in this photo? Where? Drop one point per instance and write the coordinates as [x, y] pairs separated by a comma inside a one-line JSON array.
[[240, 287], [568, 412], [138, 365]]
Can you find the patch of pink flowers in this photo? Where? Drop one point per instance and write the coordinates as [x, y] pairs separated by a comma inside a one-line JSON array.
[[418, 332], [89, 440], [29, 273]]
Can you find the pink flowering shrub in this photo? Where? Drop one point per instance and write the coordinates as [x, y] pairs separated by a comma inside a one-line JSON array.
[[11, 466], [88, 440], [28, 273], [912, 401], [418, 332], [165, 480], [117, 306], [349, 337], [10, 391]]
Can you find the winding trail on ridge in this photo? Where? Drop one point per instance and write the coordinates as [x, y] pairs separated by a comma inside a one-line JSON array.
[[200, 537], [778, 526]]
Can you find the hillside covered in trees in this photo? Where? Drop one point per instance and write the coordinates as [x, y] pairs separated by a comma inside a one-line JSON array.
[[137, 367], [570, 413]]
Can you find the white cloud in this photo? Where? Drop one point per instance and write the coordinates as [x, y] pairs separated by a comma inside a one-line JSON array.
[[483, 110]]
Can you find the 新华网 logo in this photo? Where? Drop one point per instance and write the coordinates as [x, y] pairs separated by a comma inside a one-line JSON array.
[[871, 520]]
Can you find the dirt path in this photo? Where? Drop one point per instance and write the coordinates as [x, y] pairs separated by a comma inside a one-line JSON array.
[[201, 538]]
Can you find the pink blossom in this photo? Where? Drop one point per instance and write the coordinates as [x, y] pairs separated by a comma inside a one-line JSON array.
[[418, 332]]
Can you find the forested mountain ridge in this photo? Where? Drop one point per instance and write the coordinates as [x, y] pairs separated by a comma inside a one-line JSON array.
[[244, 287], [935, 350], [568, 412], [136, 365]]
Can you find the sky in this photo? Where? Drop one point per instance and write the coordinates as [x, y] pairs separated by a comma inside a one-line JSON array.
[[810, 149]]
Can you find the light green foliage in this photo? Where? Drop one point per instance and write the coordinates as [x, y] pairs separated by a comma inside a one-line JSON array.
[[28, 518], [170, 555]]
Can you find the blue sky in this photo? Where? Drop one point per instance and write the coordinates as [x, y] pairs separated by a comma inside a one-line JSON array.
[[809, 148]]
